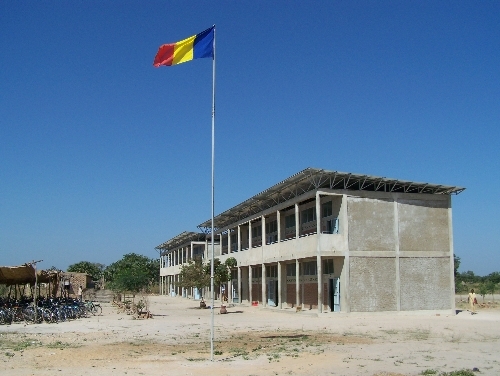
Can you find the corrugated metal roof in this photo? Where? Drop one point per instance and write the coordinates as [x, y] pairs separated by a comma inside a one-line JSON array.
[[312, 179], [180, 240]]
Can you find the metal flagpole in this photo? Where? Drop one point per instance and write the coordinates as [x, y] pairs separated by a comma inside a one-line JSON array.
[[212, 240]]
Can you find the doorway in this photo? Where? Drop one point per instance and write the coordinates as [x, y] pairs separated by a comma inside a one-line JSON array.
[[334, 298], [272, 291], [234, 291]]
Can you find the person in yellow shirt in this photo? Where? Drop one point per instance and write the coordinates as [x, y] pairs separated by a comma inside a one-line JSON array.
[[472, 301]]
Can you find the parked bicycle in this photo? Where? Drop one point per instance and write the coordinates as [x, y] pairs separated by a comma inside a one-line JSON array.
[[50, 310], [93, 308]]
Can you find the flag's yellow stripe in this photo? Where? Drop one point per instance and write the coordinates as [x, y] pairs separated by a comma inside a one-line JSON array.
[[183, 50]]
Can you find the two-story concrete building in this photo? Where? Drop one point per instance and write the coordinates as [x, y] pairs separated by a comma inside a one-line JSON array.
[[331, 241]]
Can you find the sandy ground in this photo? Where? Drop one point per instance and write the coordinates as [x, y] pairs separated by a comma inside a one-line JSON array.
[[253, 341]]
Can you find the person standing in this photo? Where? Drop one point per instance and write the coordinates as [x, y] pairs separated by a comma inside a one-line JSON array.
[[472, 301], [80, 293]]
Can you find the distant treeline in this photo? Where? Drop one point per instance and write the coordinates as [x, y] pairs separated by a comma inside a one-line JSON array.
[[469, 277], [132, 273], [483, 285]]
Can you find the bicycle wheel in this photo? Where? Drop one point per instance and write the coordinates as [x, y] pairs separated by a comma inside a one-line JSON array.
[[96, 310], [29, 315], [3, 317]]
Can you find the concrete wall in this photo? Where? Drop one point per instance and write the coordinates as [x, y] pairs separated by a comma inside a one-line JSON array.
[[372, 284], [371, 225], [425, 283], [423, 226]]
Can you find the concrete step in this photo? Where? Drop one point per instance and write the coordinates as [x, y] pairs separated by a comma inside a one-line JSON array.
[[101, 296]]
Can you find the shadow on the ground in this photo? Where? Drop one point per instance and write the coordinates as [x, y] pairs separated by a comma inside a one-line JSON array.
[[288, 336]]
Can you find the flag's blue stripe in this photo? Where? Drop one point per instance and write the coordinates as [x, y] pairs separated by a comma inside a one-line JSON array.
[[203, 45]]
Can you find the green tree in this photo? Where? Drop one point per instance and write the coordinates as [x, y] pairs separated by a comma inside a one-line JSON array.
[[490, 287], [468, 277], [456, 262], [94, 269], [494, 277], [222, 271], [460, 288], [483, 290], [132, 273], [193, 274]]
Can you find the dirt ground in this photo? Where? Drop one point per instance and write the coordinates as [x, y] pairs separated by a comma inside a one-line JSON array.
[[254, 341]]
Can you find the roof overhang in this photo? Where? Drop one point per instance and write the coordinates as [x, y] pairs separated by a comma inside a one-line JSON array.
[[312, 179], [18, 275], [179, 240]]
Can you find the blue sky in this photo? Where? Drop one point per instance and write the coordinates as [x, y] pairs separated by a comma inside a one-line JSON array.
[[101, 154]]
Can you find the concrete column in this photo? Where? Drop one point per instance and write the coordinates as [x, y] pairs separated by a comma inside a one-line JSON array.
[[192, 251], [250, 299], [238, 247], [220, 241], [239, 284], [344, 227], [280, 285], [264, 295], [263, 226], [278, 219], [318, 253], [297, 282], [452, 258], [229, 241], [396, 249], [249, 234], [297, 221]]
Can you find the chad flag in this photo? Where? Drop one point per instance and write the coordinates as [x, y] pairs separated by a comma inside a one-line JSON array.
[[196, 47]]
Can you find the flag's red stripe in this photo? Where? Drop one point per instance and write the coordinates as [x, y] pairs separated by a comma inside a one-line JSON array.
[[165, 55]]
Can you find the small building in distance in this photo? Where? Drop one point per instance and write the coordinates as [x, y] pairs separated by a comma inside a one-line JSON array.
[[70, 281], [333, 242]]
